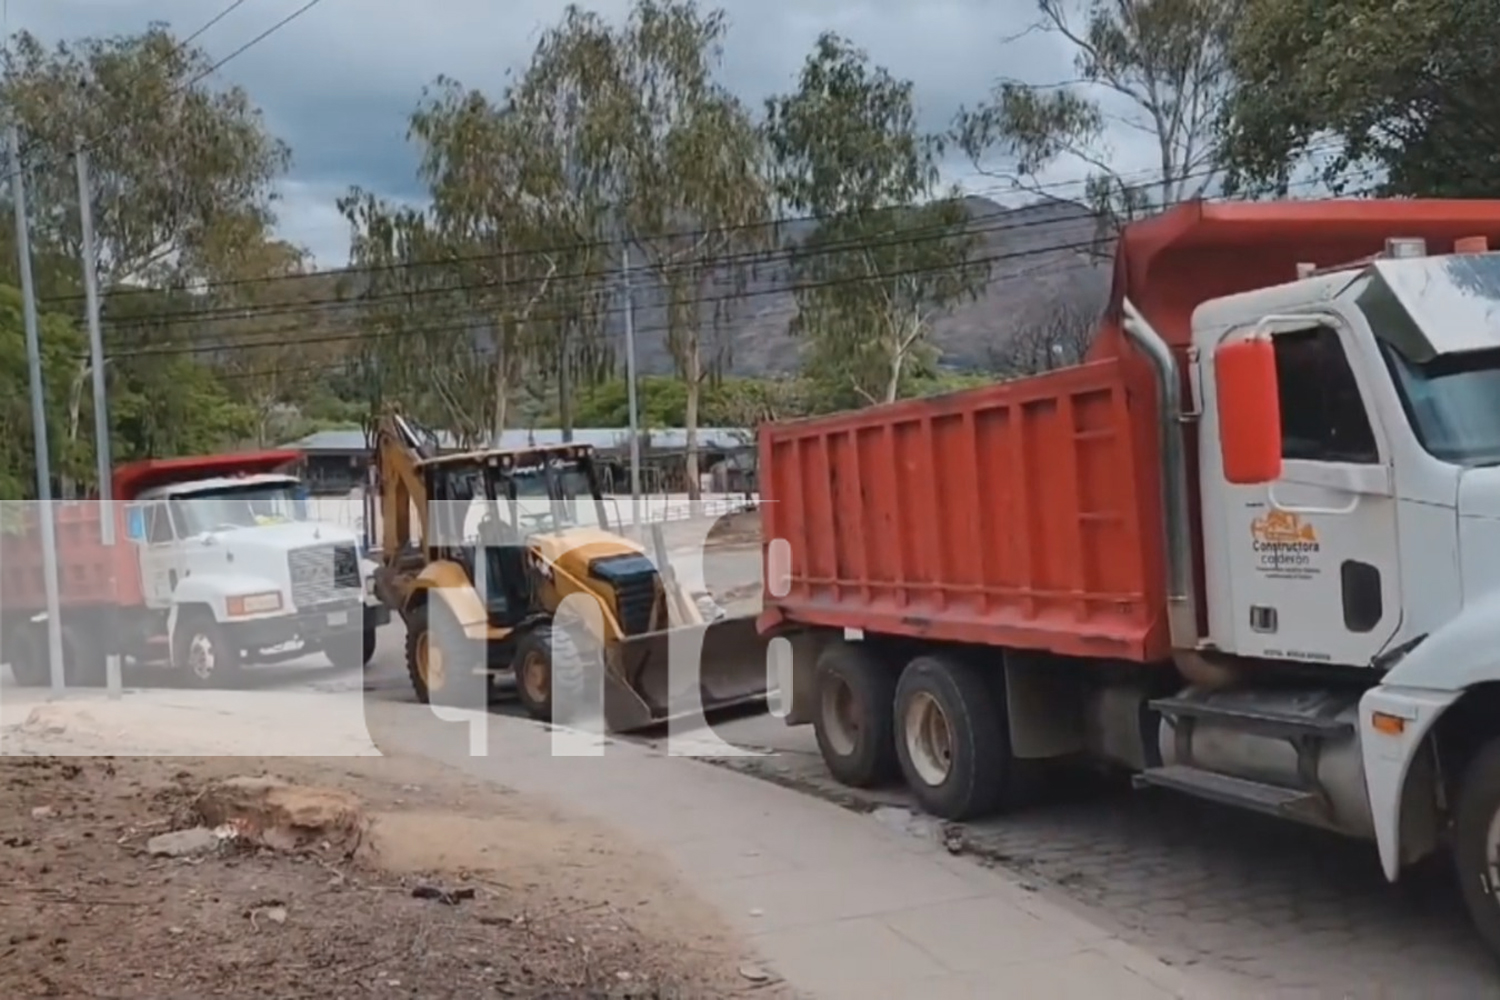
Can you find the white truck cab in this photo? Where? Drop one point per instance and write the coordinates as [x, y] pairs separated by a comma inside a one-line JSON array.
[[1373, 551], [237, 570]]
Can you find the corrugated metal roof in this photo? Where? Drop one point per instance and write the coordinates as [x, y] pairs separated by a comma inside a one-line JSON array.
[[602, 438]]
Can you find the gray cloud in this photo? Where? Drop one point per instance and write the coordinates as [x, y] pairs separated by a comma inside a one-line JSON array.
[[339, 82]]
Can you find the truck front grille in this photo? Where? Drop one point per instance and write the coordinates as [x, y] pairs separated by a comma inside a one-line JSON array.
[[323, 573]]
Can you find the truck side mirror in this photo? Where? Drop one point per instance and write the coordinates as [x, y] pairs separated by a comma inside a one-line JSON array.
[[1249, 411]]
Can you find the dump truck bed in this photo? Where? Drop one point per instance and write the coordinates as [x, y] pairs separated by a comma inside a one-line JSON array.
[[89, 573], [1022, 514]]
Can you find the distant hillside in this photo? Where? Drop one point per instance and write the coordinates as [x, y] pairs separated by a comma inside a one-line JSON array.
[[1039, 262]]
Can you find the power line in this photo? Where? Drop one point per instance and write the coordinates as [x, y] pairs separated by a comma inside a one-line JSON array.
[[1145, 177], [322, 306], [893, 237], [90, 144], [470, 323]]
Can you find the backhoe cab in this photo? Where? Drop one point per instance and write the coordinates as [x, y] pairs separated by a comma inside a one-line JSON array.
[[506, 536]]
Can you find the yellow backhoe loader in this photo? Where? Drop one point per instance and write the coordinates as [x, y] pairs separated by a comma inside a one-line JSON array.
[[484, 601]]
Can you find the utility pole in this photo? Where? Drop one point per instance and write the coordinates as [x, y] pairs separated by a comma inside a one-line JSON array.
[[96, 362], [635, 430], [38, 414]]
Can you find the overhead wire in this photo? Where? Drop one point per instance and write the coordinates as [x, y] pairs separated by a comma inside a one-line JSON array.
[[473, 324], [90, 144], [1140, 178], [241, 339]]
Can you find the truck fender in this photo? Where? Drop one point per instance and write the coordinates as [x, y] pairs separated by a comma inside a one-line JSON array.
[[1423, 684], [1388, 757], [210, 591]]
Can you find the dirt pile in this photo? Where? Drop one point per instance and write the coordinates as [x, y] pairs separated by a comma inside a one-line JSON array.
[[176, 878]]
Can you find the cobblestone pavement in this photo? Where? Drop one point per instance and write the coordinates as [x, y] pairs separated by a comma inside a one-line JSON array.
[[1289, 911]]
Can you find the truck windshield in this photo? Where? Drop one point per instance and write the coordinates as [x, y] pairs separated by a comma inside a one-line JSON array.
[[235, 507], [1453, 403]]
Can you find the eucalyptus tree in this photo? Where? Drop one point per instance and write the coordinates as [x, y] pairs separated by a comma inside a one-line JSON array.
[[680, 164], [411, 315], [173, 156], [890, 252], [1158, 69], [177, 163]]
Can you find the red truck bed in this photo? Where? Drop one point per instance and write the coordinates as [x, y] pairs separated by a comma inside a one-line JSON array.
[[1013, 515], [1027, 514], [88, 573]]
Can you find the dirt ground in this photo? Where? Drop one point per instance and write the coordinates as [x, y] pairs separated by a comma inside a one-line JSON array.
[[454, 889]]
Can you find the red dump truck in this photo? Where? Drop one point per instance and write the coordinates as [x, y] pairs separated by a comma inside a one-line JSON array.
[[214, 559], [1248, 550]]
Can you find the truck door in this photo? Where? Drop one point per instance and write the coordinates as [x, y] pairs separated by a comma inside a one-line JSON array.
[[159, 555], [1313, 557]]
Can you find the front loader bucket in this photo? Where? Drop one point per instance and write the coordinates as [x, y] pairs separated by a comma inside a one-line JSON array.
[[713, 667]]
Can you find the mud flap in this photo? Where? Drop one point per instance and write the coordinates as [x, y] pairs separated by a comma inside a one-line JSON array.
[[718, 665]]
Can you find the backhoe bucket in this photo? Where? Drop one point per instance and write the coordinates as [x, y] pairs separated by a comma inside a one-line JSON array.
[[645, 692]]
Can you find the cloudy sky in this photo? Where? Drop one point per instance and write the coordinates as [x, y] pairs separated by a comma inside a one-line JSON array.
[[338, 82]]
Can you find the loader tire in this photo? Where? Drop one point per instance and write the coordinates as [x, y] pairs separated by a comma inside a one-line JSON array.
[[550, 671], [433, 648], [854, 718], [1476, 817], [951, 737]]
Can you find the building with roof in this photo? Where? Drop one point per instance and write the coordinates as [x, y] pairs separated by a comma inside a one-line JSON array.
[[337, 460]]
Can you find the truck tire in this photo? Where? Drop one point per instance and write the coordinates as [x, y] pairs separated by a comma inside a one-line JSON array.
[[854, 720], [24, 647], [204, 652], [951, 739], [351, 652], [1476, 843]]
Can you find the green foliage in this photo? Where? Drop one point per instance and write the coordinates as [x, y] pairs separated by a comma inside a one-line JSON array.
[[881, 265], [1165, 61], [61, 346], [172, 159], [1406, 90]]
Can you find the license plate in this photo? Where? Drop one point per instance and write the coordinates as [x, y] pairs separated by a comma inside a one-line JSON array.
[[337, 618]]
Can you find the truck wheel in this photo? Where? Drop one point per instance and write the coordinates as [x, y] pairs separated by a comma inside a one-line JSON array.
[[1476, 843], [855, 721], [349, 652], [24, 647], [206, 653], [950, 738]]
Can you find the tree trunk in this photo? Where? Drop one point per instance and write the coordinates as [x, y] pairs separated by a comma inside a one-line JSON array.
[[893, 385], [69, 486], [502, 395]]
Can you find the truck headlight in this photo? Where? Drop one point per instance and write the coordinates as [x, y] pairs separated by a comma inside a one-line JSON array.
[[254, 604]]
